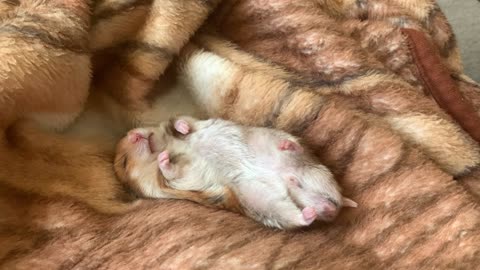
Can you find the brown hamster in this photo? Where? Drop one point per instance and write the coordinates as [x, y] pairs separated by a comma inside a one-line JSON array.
[[267, 173]]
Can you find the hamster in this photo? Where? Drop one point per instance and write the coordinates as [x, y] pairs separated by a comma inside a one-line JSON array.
[[263, 173]]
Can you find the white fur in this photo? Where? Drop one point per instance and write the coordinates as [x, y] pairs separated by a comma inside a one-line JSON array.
[[248, 160]]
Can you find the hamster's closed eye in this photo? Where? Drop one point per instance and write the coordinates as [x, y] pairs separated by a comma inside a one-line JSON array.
[[125, 161], [121, 164]]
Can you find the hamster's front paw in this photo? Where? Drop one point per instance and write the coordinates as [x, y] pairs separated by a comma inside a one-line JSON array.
[[164, 160], [182, 127], [165, 165]]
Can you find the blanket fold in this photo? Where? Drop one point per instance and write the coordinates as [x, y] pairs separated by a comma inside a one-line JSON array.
[[439, 84]]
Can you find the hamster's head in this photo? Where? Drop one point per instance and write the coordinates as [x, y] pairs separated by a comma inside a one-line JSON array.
[[135, 161]]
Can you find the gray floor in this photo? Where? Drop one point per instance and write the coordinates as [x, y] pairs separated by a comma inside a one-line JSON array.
[[464, 16]]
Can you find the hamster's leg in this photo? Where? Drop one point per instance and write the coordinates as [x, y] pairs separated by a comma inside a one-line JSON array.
[[287, 215], [284, 141], [272, 209], [184, 124], [325, 209], [289, 145]]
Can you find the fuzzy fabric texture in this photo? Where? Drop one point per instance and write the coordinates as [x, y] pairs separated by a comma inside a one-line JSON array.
[[342, 75]]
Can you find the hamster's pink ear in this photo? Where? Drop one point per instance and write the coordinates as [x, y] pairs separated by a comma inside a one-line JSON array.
[[182, 126], [346, 202]]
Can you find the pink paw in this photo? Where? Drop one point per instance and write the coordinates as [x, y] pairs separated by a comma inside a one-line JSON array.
[[309, 214], [164, 160], [287, 145], [182, 127], [293, 182]]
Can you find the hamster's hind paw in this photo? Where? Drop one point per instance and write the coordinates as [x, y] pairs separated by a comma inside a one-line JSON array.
[[309, 214]]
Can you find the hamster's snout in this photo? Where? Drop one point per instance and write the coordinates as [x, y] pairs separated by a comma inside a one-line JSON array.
[[143, 137], [136, 136]]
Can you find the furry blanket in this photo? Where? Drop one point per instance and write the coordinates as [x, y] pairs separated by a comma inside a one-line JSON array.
[[374, 87]]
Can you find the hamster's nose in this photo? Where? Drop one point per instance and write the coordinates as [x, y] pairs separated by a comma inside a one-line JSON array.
[[134, 137], [138, 135]]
